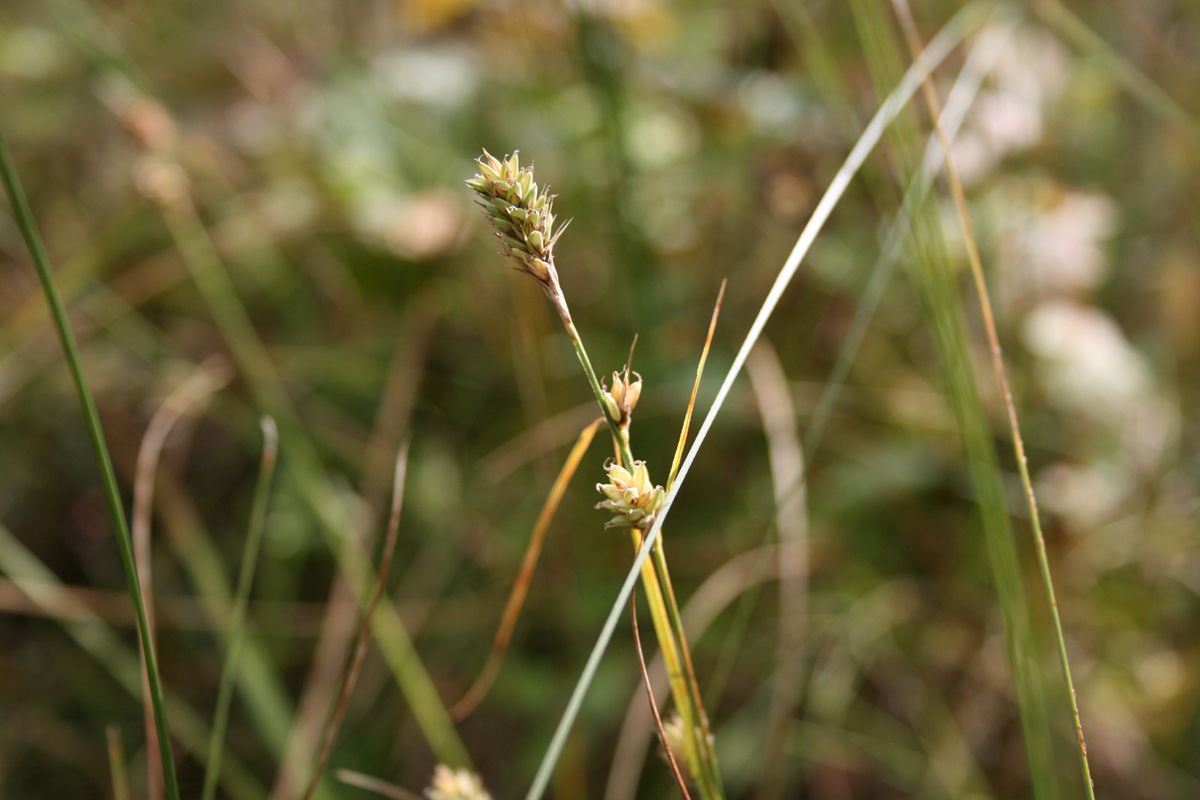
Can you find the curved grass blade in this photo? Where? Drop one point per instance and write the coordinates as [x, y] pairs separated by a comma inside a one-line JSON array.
[[953, 33], [178, 403], [237, 623], [112, 495], [512, 609]]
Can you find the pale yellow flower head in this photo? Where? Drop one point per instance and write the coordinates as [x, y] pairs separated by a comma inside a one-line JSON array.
[[455, 784], [631, 495]]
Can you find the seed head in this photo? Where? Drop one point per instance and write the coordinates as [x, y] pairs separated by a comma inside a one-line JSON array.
[[622, 397], [521, 214], [632, 496], [455, 784]]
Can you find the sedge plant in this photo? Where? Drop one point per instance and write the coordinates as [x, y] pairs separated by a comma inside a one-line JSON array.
[[523, 217]]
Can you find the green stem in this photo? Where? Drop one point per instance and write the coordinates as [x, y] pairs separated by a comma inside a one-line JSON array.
[[112, 495], [237, 623], [598, 390]]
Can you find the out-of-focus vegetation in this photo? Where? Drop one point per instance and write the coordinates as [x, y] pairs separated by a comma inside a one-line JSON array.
[[270, 195]]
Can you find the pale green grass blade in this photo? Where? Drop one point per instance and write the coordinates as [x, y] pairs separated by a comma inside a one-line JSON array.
[[961, 96], [934, 278], [1001, 376], [938, 49], [112, 494], [237, 623]]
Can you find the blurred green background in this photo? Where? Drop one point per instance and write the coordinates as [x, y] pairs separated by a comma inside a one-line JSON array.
[[313, 152]]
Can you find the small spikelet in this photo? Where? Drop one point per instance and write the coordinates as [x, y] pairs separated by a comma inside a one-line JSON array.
[[620, 400], [520, 214], [455, 784], [630, 495]]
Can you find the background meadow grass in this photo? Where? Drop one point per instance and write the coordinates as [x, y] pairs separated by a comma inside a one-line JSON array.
[[323, 147]]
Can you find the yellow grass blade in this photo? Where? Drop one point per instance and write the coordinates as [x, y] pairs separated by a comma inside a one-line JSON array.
[[687, 419], [470, 701]]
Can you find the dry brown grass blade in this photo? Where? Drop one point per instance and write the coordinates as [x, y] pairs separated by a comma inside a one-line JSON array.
[[358, 779], [364, 633], [774, 398], [687, 419], [658, 723], [508, 621], [209, 379], [989, 323]]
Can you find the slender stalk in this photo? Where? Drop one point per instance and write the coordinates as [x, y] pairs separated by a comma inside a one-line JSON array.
[[671, 659], [112, 495], [598, 390], [237, 622], [989, 324]]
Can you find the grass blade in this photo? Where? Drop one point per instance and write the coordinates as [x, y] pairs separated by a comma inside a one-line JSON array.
[[786, 458], [237, 623], [658, 723], [934, 278], [687, 418], [112, 495], [966, 87], [116, 763]]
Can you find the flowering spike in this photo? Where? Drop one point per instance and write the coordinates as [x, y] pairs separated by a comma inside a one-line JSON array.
[[521, 214], [633, 497]]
